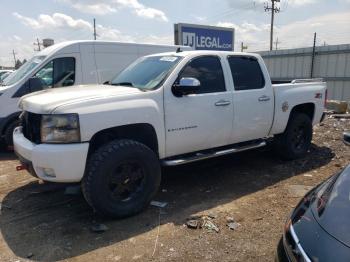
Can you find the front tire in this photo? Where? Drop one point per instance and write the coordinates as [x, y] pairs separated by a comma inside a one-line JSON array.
[[296, 139], [8, 134], [121, 178]]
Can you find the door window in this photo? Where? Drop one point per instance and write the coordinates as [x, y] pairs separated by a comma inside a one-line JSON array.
[[58, 73], [63, 72], [208, 71], [246, 73], [45, 75]]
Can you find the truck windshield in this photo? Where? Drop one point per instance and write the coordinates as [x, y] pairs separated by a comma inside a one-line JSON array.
[[147, 72], [23, 70]]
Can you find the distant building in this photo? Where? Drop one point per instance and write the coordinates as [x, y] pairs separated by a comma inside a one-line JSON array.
[[331, 63]]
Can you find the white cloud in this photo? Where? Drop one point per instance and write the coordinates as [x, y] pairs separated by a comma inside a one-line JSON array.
[[301, 2], [141, 10], [69, 24], [16, 37], [22, 49], [154, 39], [57, 20], [102, 7], [96, 9], [332, 29]]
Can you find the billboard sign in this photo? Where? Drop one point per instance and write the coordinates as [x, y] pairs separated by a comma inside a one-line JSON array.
[[202, 37]]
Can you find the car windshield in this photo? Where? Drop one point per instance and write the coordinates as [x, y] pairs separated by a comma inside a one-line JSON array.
[[146, 73], [23, 70], [3, 76]]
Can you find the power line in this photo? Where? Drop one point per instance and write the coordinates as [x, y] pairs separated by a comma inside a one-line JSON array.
[[228, 12], [273, 10]]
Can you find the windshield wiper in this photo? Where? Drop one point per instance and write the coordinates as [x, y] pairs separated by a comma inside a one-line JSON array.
[[122, 84]]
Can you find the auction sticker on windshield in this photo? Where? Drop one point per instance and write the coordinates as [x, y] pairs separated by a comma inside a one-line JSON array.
[[168, 58]]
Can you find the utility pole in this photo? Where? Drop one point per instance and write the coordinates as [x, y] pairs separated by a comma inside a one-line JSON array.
[[38, 44], [276, 43], [273, 10], [14, 56], [243, 47], [313, 57], [95, 29]]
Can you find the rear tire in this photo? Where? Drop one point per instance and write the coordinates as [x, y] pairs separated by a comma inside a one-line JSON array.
[[296, 139], [8, 134], [121, 178]]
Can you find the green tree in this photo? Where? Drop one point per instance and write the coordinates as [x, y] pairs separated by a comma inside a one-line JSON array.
[[18, 64]]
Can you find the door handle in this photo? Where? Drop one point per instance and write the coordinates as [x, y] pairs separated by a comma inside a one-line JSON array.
[[222, 103], [264, 98]]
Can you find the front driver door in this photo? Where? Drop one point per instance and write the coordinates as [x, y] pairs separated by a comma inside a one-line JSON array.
[[202, 120]]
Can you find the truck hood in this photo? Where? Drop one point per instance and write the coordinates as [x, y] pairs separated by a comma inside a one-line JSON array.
[[45, 102]]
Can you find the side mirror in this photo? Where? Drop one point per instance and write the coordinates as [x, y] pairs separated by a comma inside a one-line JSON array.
[[346, 138], [35, 84], [186, 86]]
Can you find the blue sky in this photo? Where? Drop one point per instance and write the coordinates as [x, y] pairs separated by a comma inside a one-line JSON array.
[[152, 21]]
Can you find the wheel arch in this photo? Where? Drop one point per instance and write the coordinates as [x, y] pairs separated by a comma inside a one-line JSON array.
[[141, 132], [306, 108]]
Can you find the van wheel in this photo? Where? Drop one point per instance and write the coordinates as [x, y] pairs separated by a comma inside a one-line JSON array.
[[8, 134], [296, 139], [121, 178]]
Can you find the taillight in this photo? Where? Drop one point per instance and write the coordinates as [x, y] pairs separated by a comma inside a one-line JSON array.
[[325, 98]]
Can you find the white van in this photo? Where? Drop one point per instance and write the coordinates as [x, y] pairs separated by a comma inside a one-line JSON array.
[[66, 64]]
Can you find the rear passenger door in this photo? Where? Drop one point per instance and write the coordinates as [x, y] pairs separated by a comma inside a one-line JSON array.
[[253, 99], [202, 120]]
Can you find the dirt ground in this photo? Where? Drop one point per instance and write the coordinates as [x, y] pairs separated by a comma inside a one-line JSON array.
[[41, 222]]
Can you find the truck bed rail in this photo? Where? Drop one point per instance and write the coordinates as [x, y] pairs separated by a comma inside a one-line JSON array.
[[309, 80]]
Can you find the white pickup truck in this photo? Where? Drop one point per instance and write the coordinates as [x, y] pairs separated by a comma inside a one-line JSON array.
[[164, 109]]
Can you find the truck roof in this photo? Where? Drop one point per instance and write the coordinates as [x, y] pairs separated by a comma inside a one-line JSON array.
[[206, 52]]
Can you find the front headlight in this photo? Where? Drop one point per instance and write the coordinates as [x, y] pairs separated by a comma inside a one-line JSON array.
[[60, 128]]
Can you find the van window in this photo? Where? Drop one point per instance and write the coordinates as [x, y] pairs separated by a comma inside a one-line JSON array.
[[246, 73], [58, 73], [45, 75]]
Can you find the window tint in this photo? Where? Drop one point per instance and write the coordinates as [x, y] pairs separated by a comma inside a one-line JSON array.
[[45, 75], [246, 73], [57, 73], [64, 71], [208, 71]]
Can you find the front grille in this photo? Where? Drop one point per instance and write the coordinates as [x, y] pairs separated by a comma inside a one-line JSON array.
[[31, 126]]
